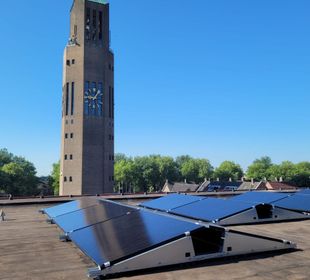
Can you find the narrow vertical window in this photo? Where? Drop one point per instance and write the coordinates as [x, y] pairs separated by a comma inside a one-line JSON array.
[[87, 25], [100, 26], [112, 102], [67, 99], [65, 179], [72, 98], [87, 97], [94, 29], [75, 30], [70, 178], [110, 99]]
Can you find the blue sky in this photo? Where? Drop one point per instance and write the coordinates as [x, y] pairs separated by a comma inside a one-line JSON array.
[[223, 80]]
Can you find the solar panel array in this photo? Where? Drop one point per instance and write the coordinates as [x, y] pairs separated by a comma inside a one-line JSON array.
[[121, 238]]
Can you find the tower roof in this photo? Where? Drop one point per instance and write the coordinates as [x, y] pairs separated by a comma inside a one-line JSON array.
[[99, 1]]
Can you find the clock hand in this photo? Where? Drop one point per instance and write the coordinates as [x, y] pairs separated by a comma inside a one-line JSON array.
[[95, 97]]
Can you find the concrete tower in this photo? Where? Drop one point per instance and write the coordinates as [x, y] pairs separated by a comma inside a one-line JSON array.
[[87, 144]]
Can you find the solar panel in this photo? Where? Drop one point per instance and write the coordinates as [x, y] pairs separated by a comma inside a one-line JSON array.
[[259, 197], [128, 235], [211, 209], [305, 191], [171, 201], [103, 211], [71, 206], [297, 202]]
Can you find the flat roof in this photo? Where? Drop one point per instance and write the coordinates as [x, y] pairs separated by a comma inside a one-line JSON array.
[[30, 248]]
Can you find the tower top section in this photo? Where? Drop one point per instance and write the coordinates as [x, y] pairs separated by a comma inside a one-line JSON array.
[[99, 1], [104, 2], [89, 24]]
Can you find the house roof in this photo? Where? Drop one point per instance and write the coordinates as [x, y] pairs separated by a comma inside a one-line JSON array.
[[182, 186], [203, 186], [224, 184], [250, 185], [280, 186]]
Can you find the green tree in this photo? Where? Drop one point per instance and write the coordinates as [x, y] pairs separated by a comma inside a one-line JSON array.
[[5, 157], [180, 160], [119, 156], [168, 170], [302, 175], [196, 170], [125, 175], [148, 169], [259, 169], [227, 170], [53, 179], [22, 177], [286, 170]]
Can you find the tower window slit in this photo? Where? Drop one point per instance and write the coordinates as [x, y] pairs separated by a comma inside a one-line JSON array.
[[67, 99], [94, 31], [87, 24], [112, 103], [72, 98], [100, 25], [110, 99]]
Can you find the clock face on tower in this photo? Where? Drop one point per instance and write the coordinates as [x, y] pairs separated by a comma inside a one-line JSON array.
[[93, 99]]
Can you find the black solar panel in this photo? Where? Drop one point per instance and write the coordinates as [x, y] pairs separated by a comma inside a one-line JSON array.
[[103, 211], [211, 209], [297, 202], [128, 235], [171, 201], [259, 197], [305, 191], [71, 206]]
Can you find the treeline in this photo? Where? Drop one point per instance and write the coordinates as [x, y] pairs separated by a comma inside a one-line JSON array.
[[149, 173]]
